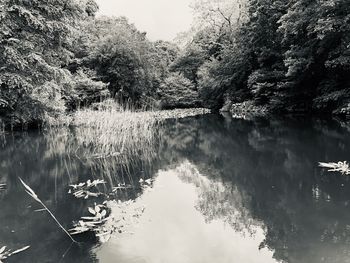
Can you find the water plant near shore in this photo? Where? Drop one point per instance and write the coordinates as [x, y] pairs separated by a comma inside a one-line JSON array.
[[342, 167], [112, 215], [108, 218], [95, 222], [113, 139], [114, 131], [84, 190]]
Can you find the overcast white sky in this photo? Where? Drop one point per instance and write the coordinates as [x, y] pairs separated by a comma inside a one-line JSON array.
[[161, 19]]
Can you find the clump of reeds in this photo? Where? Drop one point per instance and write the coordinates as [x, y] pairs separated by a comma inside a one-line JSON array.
[[30, 192], [342, 167], [113, 132], [112, 139]]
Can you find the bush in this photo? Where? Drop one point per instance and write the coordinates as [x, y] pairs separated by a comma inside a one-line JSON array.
[[176, 91]]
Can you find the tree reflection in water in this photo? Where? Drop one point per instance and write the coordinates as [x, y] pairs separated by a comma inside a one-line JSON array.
[[248, 174], [273, 163]]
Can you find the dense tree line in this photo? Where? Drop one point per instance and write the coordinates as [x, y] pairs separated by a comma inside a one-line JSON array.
[[289, 56]]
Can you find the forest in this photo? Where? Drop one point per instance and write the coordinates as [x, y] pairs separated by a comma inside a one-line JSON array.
[[112, 148], [275, 56]]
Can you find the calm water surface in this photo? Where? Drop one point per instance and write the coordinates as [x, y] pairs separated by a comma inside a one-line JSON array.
[[224, 190]]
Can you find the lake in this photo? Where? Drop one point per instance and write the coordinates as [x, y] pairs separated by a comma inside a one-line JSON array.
[[219, 190]]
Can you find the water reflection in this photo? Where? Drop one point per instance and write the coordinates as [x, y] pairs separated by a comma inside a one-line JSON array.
[[225, 190], [274, 166], [173, 228]]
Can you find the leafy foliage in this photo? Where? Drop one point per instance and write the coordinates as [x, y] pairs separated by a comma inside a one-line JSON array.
[[178, 91], [289, 55], [123, 57], [34, 45]]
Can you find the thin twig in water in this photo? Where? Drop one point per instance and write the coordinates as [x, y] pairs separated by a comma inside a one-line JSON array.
[[66, 252], [36, 198]]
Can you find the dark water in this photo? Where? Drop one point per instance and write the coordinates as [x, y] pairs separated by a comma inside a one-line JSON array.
[[225, 190]]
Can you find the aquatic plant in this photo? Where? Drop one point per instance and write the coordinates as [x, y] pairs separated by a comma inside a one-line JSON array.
[[91, 223], [4, 254], [113, 132], [146, 184], [84, 190], [96, 223], [143, 184], [121, 187], [108, 218], [112, 140], [30, 192], [342, 167]]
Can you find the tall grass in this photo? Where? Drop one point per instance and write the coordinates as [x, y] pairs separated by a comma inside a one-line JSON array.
[[113, 132], [114, 140]]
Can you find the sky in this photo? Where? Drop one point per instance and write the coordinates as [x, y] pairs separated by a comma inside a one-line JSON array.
[[161, 19]]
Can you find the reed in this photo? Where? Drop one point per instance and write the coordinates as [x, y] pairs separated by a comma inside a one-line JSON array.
[[113, 132], [114, 139], [30, 192]]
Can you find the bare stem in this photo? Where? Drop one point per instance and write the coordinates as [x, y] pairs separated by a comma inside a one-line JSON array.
[[58, 223], [36, 198]]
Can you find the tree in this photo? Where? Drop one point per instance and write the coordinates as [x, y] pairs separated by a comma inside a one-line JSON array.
[[316, 39], [35, 37], [122, 57], [178, 92], [290, 56], [189, 61]]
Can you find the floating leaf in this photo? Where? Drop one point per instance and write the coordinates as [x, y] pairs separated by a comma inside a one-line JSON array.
[[103, 213], [92, 211], [2, 249], [20, 250]]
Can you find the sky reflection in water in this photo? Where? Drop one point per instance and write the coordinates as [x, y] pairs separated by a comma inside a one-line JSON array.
[[172, 229]]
